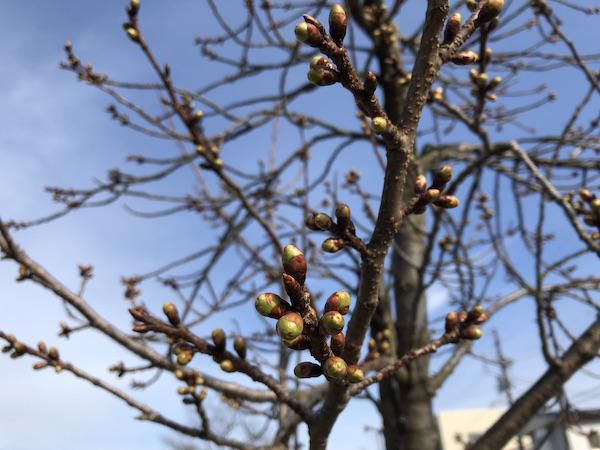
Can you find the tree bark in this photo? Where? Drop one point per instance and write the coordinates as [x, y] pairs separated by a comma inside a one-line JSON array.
[[549, 385]]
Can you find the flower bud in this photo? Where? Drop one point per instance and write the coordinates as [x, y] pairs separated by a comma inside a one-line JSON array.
[[227, 366], [452, 27], [380, 124], [239, 344], [219, 339], [595, 205], [462, 316], [372, 344], [420, 184], [451, 321], [290, 326], [465, 58], [338, 301], [447, 202], [170, 311], [308, 370], [337, 343], [442, 176], [437, 94], [53, 354], [309, 221], [42, 347], [354, 374], [472, 332], [335, 367], [302, 342], [482, 79], [475, 312], [494, 82], [184, 357], [320, 62], [337, 23], [294, 263], [333, 322], [471, 5], [342, 214], [481, 319], [40, 365], [271, 305], [308, 34], [332, 245], [323, 222], [131, 32], [490, 10], [431, 195]]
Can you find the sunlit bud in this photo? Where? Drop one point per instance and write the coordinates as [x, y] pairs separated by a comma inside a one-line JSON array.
[[227, 366], [271, 305], [490, 10], [443, 175], [465, 58], [472, 332], [372, 344], [354, 374], [183, 390], [451, 321], [586, 195], [387, 334], [471, 4], [170, 311], [481, 319], [370, 83], [294, 263], [131, 32], [482, 80], [487, 55], [315, 76], [447, 202], [337, 343], [462, 316], [337, 23], [473, 74], [58, 368], [491, 97], [323, 221], [309, 221], [332, 245], [420, 184], [380, 125], [198, 116], [494, 82], [53, 354], [335, 367], [179, 374], [338, 301], [342, 214], [219, 339], [452, 27], [319, 62], [290, 326], [595, 205], [302, 342], [239, 344], [183, 358], [386, 348], [40, 365], [308, 34], [332, 322], [42, 347], [431, 195], [437, 94], [475, 312], [308, 370]]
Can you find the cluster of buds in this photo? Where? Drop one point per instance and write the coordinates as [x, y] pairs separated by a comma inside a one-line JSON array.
[[312, 33], [322, 72], [380, 344], [466, 324], [131, 289], [323, 222], [130, 27], [587, 206], [486, 212], [192, 380], [483, 84], [434, 193]]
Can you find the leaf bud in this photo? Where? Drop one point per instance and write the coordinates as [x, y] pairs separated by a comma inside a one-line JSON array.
[[308, 370]]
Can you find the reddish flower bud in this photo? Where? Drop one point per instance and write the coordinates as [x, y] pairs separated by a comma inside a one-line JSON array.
[[332, 245], [294, 263], [338, 301], [447, 202], [332, 322], [337, 343], [239, 344], [271, 305], [452, 27], [292, 287], [170, 311], [335, 367], [337, 23], [308, 370], [219, 339], [354, 374], [290, 326]]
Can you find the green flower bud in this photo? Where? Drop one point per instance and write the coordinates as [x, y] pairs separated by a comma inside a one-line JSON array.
[[447, 202], [338, 301], [475, 312], [333, 322], [290, 326], [335, 367], [271, 305], [170, 311], [323, 222], [471, 5], [337, 23], [332, 245], [482, 80], [308, 370], [354, 374], [219, 338], [442, 176], [319, 62], [494, 82], [308, 34], [184, 357], [315, 76], [227, 366], [294, 263], [337, 343], [309, 221], [131, 32], [342, 214], [380, 125], [472, 332], [431, 195], [239, 344]]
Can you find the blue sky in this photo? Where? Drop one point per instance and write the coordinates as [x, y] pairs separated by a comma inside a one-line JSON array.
[[55, 132]]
